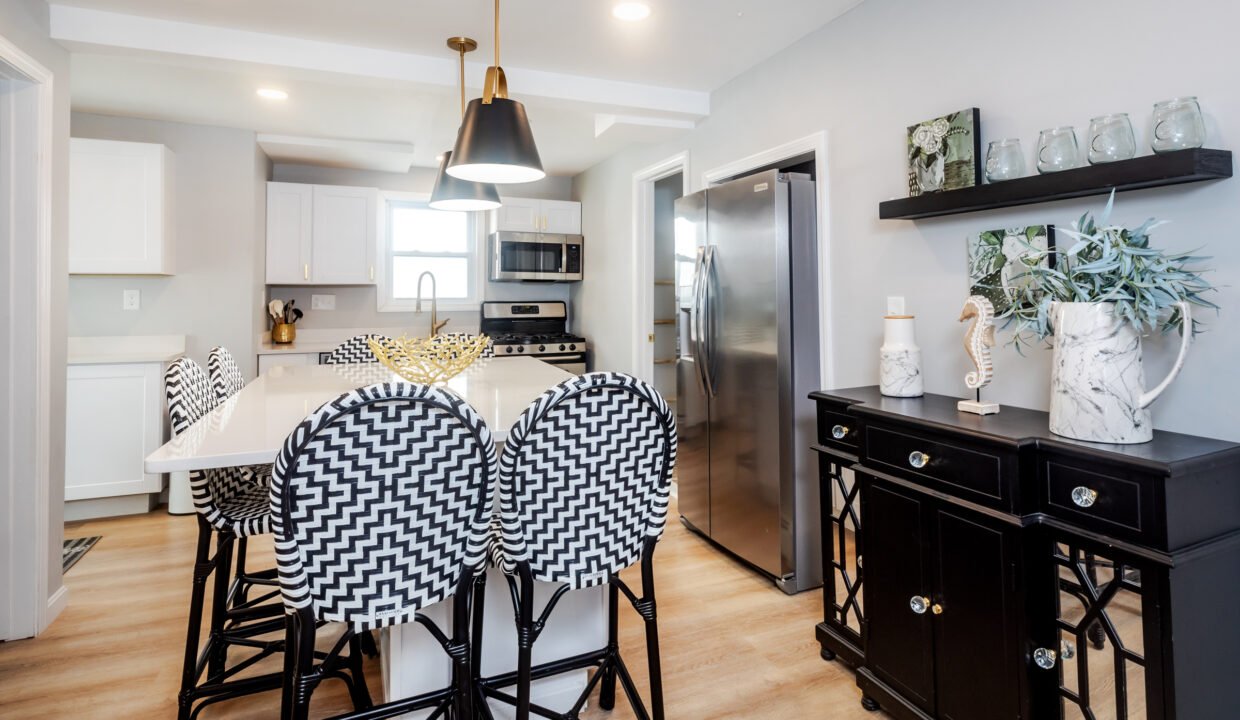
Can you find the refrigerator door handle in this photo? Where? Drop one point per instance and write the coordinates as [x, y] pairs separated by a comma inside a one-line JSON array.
[[707, 322], [695, 313]]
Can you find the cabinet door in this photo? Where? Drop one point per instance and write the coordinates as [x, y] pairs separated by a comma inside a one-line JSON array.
[[120, 208], [561, 217], [975, 632], [289, 217], [345, 221], [113, 420], [519, 215], [899, 640]]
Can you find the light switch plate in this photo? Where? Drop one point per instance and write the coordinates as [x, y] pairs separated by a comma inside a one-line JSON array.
[[131, 300], [322, 302]]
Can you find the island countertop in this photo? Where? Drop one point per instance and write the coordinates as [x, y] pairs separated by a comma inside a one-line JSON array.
[[251, 426]]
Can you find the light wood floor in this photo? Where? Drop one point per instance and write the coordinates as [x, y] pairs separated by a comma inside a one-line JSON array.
[[733, 645]]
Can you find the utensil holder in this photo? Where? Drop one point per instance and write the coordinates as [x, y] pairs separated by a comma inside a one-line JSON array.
[[283, 333]]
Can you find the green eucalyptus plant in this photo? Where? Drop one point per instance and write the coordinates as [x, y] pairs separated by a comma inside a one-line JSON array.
[[1108, 263]]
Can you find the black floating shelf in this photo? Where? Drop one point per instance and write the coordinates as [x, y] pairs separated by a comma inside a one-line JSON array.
[[1182, 166]]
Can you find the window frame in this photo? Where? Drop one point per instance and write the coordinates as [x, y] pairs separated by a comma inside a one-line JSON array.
[[475, 242]]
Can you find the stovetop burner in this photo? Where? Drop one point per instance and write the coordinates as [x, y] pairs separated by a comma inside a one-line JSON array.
[[517, 338]]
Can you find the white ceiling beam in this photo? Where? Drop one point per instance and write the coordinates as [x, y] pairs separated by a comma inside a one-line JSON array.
[[133, 32], [606, 121]]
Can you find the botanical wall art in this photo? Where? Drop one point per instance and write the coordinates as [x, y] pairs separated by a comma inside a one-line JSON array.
[[944, 153], [999, 262]]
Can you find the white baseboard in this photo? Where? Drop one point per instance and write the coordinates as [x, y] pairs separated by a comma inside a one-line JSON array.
[[55, 605]]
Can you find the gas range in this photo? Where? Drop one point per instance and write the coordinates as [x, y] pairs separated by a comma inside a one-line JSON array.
[[538, 329]]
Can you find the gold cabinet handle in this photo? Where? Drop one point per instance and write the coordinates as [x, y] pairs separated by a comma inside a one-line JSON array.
[[305, 271], [937, 609], [372, 273]]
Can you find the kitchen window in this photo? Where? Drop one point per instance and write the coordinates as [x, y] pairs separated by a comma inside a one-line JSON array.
[[418, 239]]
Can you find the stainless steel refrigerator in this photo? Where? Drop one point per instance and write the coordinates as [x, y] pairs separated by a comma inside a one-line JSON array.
[[749, 356]]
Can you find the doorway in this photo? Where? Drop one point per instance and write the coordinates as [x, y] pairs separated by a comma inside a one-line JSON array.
[[671, 273], [25, 347], [655, 190]]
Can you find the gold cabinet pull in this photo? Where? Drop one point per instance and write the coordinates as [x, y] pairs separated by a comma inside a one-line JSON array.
[[372, 273], [305, 271]]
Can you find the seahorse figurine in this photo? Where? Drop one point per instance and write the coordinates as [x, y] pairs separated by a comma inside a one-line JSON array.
[[978, 340]]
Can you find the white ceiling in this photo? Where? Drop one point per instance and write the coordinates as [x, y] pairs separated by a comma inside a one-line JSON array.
[[378, 71]]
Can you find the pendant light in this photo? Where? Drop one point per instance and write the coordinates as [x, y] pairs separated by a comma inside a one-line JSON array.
[[453, 193], [495, 143]]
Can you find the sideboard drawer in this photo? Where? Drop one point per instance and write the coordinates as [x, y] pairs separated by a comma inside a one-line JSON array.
[[1095, 500], [974, 469], [835, 429]]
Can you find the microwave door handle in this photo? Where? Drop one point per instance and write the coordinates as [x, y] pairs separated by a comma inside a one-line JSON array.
[[695, 314]]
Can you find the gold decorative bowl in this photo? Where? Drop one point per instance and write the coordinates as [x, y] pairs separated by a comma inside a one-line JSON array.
[[429, 360]]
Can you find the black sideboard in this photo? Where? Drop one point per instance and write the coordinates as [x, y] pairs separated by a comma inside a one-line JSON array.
[[981, 568]]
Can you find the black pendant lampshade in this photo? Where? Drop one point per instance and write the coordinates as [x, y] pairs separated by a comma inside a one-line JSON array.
[[495, 144], [452, 193]]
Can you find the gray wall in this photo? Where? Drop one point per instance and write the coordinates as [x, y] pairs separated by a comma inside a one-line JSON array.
[[357, 307], [889, 63], [25, 24], [216, 295]]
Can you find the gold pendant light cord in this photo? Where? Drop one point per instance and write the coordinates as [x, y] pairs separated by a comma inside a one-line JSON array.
[[496, 85], [496, 33], [461, 80]]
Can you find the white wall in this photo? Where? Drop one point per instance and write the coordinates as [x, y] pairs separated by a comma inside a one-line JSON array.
[[1027, 66], [356, 307], [216, 295], [25, 24]]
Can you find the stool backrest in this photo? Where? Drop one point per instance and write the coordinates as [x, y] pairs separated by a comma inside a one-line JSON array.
[[584, 479], [226, 377], [354, 350], [190, 398], [381, 503]]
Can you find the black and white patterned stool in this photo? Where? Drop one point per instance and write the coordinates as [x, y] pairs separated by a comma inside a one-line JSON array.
[[381, 503], [585, 476], [231, 503], [226, 377], [355, 350]]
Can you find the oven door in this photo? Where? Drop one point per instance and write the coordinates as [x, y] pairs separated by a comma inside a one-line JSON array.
[[531, 256], [574, 363]]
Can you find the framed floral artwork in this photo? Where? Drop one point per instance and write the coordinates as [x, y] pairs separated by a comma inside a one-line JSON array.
[[944, 153], [999, 259]]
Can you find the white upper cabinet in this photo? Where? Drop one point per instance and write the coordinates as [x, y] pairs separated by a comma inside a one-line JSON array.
[[561, 217], [289, 216], [539, 216], [321, 234], [344, 235], [120, 208]]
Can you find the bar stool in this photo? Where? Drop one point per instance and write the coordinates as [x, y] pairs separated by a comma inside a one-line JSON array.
[[381, 503], [230, 503], [354, 350], [584, 481], [226, 377]]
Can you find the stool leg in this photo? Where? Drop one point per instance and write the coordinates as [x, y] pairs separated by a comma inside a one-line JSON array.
[[202, 571], [305, 679], [462, 672], [525, 643], [219, 605], [652, 634], [475, 640], [243, 587], [358, 689], [290, 666], [607, 685]]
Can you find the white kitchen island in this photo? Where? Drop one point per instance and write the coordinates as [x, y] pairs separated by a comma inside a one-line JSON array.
[[250, 427]]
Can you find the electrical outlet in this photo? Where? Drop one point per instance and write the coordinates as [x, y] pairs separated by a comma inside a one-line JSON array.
[[895, 305], [322, 302], [131, 300]]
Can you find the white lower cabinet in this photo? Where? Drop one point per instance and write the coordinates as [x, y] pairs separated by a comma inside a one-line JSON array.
[[266, 362], [114, 418]]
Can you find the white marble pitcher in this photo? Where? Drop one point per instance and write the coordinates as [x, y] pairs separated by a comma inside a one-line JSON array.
[[1097, 381]]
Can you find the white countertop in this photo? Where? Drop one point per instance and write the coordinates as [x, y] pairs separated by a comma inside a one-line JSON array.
[[116, 349], [251, 426]]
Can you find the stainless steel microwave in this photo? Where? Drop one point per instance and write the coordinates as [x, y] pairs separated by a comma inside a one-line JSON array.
[[517, 256]]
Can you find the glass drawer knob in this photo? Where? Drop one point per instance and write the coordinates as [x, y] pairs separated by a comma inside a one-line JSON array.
[[838, 432], [919, 604], [1045, 658], [1084, 497], [918, 459]]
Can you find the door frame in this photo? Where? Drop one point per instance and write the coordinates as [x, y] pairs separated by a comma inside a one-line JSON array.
[[643, 256], [26, 476], [817, 144]]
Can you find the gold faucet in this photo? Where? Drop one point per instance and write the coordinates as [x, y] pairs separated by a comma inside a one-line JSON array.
[[435, 325]]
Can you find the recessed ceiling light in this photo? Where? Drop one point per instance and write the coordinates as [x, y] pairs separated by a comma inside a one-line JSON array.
[[272, 94], [631, 11]]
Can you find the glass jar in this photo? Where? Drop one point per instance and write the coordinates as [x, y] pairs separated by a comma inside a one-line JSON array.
[[1111, 139], [1004, 160], [1178, 125], [1057, 150]]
